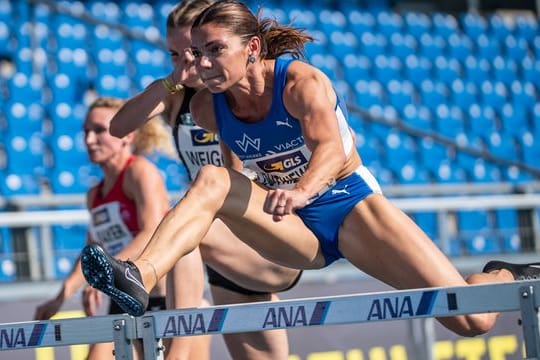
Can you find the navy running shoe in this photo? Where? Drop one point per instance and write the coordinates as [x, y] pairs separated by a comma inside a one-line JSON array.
[[121, 280], [520, 271]]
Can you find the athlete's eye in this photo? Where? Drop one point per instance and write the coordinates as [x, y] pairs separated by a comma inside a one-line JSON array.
[[196, 53]]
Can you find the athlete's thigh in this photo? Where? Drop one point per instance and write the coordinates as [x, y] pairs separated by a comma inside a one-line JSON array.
[[287, 242], [221, 249], [383, 241]]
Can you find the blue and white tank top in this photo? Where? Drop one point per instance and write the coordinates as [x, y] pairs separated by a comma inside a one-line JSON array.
[[273, 148], [196, 147]]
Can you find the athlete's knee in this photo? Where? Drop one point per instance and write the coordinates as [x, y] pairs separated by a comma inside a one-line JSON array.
[[211, 181], [475, 325]]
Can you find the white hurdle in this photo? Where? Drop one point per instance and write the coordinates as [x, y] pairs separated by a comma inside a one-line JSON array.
[[521, 296]]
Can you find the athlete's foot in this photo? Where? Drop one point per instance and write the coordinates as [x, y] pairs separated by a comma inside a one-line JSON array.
[[519, 271], [121, 280]]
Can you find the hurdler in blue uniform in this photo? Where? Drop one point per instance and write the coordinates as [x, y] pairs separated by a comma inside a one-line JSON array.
[[275, 150]]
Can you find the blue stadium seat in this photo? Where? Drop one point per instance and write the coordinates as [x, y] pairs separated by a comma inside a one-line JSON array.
[[64, 88], [431, 153], [7, 257], [70, 34], [418, 117], [69, 150], [75, 64], [417, 69], [319, 44], [463, 94], [477, 70], [13, 184], [361, 22], [71, 180], [387, 68], [399, 151], [432, 94], [331, 20], [494, 94], [473, 221], [504, 70], [389, 23], [516, 175], [25, 154], [369, 148], [303, 18], [469, 141], [449, 173], [483, 172], [515, 48], [173, 172], [523, 94], [104, 37], [402, 45], [136, 15], [514, 120], [25, 89], [449, 121], [459, 47], [535, 118], [428, 222], [506, 222], [417, 23], [116, 86], [112, 61], [369, 93], [68, 241], [412, 173], [482, 245], [356, 67], [24, 117], [444, 24], [328, 64], [431, 46], [446, 70], [67, 119], [473, 25], [108, 11], [400, 93], [487, 47], [482, 120], [499, 27], [526, 27], [502, 146], [372, 44], [530, 148], [6, 48], [343, 43]]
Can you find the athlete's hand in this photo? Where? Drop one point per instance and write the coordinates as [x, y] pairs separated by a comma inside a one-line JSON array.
[[92, 300], [280, 202], [184, 68]]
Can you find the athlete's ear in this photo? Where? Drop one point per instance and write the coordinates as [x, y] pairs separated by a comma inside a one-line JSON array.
[[254, 47]]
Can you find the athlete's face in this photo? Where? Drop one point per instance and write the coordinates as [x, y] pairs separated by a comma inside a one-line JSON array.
[[220, 56], [178, 42], [100, 144]]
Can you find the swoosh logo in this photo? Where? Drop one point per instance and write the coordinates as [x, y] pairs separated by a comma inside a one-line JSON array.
[[133, 279]]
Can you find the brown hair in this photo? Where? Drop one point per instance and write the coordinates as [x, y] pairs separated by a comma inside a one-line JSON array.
[[276, 39], [152, 137], [185, 12]]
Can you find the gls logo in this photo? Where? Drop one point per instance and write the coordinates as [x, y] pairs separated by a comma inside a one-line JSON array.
[[283, 163], [201, 137]]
